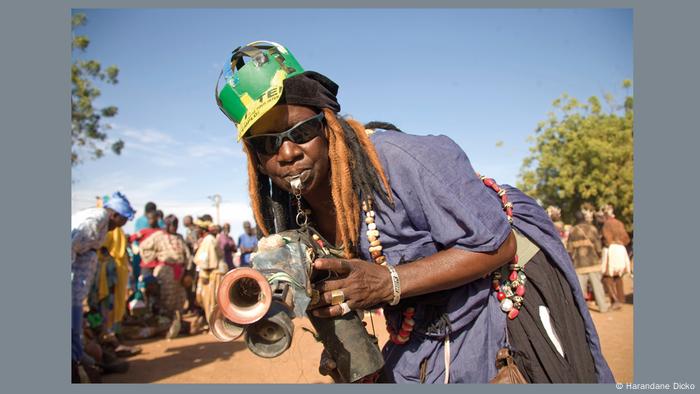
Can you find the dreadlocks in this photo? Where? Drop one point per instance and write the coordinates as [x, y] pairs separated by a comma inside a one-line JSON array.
[[356, 175]]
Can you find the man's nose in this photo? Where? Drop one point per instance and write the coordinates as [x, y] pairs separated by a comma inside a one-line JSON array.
[[289, 152]]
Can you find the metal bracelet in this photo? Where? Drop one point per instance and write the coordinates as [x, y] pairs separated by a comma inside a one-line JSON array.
[[396, 284]]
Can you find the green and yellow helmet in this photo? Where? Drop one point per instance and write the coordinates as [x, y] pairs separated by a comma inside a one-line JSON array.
[[254, 86]]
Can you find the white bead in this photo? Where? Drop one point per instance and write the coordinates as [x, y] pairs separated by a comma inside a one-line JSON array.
[[506, 305], [370, 214], [372, 226]]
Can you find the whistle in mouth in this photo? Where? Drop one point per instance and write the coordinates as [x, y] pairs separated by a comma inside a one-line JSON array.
[[296, 184]]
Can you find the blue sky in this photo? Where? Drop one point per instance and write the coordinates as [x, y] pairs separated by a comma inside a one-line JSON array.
[[478, 76]]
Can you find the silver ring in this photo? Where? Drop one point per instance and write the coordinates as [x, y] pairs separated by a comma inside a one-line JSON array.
[[345, 308]]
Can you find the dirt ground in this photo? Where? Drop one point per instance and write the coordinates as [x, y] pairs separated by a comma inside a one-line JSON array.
[[202, 359]]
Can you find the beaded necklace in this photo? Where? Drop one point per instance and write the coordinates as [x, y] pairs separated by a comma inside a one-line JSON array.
[[509, 290], [375, 251]]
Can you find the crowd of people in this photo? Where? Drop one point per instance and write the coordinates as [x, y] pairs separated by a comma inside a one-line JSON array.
[[141, 285], [601, 251]]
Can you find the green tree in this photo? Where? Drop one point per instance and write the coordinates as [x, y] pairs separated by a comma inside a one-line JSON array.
[[584, 154], [88, 133]]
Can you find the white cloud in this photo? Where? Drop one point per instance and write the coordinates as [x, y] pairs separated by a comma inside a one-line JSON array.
[[165, 162], [148, 136], [165, 151], [160, 148], [83, 193], [213, 149]]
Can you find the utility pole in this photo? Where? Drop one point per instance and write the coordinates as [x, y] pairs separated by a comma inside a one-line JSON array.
[[216, 199]]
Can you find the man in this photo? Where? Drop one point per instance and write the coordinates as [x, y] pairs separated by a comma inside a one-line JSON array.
[[616, 262], [140, 224], [148, 263], [192, 235], [142, 221], [554, 214], [161, 216], [167, 254], [415, 187], [189, 277], [88, 231], [227, 245], [247, 243], [209, 260], [584, 247]]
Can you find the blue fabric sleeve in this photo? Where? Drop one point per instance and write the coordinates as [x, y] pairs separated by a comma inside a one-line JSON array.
[[437, 185]]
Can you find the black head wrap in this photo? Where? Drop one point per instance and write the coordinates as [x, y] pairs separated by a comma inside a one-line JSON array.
[[310, 89]]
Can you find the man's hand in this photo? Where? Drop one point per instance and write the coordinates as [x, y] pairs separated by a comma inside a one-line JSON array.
[[363, 284]]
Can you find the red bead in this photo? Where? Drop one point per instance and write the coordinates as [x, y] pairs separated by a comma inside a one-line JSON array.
[[489, 182], [319, 242], [376, 254], [495, 285], [404, 333], [515, 259], [501, 296], [504, 199], [496, 188], [513, 313], [509, 211], [513, 276], [520, 290]]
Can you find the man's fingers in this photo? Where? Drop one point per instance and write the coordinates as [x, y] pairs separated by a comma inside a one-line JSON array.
[[339, 266], [325, 290], [330, 285], [329, 311]]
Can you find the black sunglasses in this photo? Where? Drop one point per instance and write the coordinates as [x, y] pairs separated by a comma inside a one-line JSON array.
[[300, 133]]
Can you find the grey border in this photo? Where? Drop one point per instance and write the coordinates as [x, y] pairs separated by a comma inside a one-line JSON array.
[[35, 177]]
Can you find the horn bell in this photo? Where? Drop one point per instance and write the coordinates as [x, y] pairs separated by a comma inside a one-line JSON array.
[[244, 296]]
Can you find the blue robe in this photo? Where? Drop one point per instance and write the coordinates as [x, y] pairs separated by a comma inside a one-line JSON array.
[[441, 203]]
